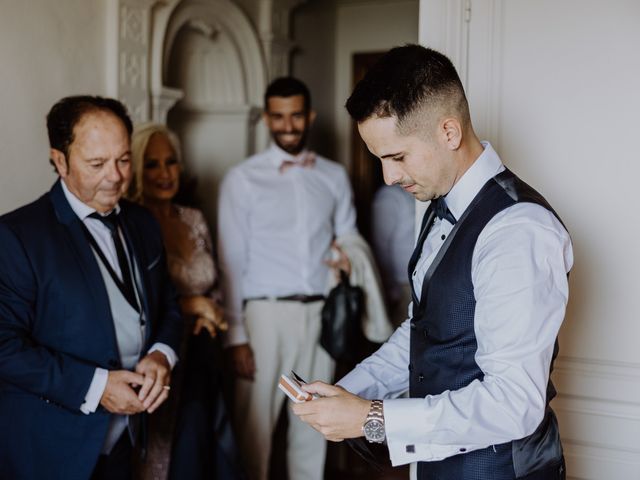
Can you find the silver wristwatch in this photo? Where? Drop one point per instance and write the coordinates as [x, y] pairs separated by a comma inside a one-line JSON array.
[[373, 427]]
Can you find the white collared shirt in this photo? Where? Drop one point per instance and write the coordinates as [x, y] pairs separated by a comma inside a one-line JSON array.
[[519, 273], [102, 236], [393, 235], [275, 229]]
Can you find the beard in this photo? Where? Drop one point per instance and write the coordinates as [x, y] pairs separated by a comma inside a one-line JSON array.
[[292, 148]]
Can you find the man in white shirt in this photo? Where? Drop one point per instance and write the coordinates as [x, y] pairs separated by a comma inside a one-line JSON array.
[[489, 278], [279, 212], [393, 237]]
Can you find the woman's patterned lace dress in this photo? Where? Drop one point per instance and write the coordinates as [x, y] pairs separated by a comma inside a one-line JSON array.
[[195, 275]]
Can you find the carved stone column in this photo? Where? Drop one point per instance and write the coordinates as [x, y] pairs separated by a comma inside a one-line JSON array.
[[132, 29], [275, 35], [134, 20]]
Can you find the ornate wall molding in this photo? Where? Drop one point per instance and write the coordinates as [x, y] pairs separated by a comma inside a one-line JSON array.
[[275, 35], [225, 16], [132, 64], [162, 101], [598, 407], [146, 29]]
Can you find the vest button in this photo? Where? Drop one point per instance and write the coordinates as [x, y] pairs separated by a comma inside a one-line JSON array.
[[413, 325], [420, 377], [426, 333]]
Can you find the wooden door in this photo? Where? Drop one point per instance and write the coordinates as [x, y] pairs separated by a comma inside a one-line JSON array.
[[366, 172]]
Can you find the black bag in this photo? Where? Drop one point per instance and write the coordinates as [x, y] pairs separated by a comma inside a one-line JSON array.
[[341, 320]]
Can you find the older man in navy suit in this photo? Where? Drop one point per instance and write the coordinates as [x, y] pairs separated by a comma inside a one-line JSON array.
[[89, 324]]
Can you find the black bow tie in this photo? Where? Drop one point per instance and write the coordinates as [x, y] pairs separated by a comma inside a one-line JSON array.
[[442, 211]]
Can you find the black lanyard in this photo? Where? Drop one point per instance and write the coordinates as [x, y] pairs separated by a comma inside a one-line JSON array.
[[130, 297]]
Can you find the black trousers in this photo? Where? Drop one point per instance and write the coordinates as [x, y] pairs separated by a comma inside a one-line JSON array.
[[116, 465]]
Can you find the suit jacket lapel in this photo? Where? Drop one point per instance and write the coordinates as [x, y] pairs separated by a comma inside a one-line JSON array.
[[86, 261]]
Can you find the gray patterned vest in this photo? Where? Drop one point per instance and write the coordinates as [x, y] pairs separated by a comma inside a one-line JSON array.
[[130, 337]]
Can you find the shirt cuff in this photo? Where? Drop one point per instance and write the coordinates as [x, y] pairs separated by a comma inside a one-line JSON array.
[[168, 352], [407, 432], [96, 389]]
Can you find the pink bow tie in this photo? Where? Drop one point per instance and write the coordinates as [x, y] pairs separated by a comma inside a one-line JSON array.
[[308, 160]]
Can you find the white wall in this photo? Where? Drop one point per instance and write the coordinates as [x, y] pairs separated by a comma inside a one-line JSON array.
[[48, 49], [313, 61], [578, 127], [555, 85]]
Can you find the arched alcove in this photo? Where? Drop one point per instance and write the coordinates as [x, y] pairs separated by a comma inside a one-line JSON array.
[[205, 65], [213, 57], [202, 67]]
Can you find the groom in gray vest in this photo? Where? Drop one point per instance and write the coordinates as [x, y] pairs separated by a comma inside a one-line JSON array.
[[489, 279], [89, 324]]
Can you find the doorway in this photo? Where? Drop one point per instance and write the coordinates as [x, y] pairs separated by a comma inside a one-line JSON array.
[[366, 172]]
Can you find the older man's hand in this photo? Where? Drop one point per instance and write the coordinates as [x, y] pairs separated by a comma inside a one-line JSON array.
[[157, 375], [119, 395], [337, 414]]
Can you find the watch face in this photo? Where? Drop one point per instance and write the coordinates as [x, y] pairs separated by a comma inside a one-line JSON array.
[[374, 430]]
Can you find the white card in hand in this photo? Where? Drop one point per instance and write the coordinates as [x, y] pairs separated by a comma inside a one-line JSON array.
[[293, 390]]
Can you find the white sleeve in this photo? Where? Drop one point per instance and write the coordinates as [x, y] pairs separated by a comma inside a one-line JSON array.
[[384, 374], [233, 234], [519, 273], [345, 214], [96, 389], [384, 222], [167, 351]]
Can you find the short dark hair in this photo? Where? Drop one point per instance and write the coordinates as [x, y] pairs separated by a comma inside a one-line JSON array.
[[67, 112], [287, 87], [404, 80]]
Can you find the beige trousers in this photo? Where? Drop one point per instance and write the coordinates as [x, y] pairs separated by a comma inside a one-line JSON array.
[[284, 335]]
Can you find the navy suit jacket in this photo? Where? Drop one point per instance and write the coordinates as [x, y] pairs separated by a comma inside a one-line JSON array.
[[56, 328]]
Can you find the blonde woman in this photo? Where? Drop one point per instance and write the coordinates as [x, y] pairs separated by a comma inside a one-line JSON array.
[[181, 436]]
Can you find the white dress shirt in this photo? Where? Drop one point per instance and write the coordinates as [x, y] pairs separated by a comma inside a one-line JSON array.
[[275, 229], [102, 235], [393, 235], [519, 273]]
